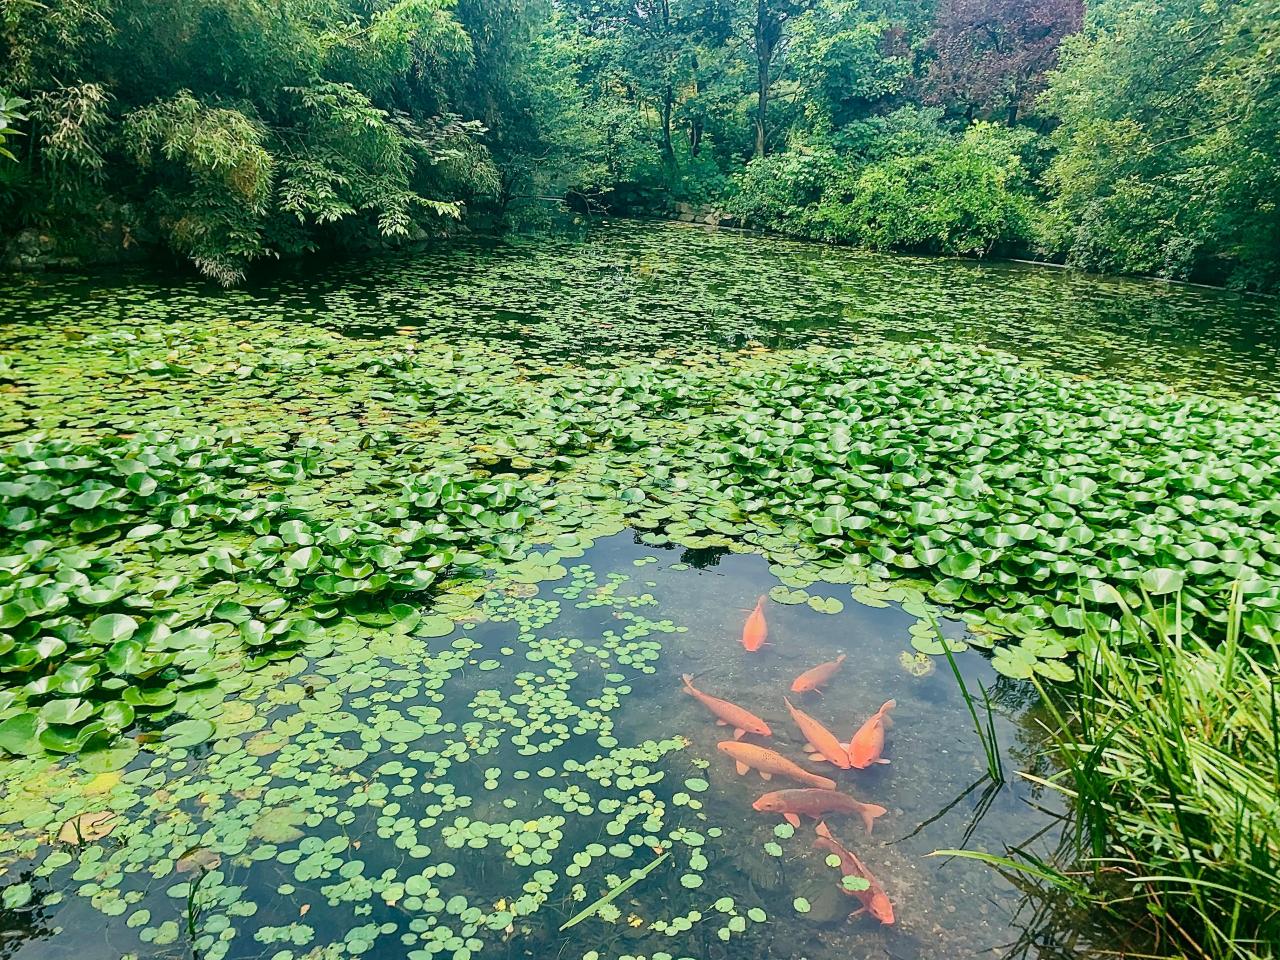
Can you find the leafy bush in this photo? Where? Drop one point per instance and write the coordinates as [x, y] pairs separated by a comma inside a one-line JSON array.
[[10, 112], [778, 191], [961, 196], [234, 131]]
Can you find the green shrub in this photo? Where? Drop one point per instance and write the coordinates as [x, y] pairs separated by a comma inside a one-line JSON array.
[[777, 192], [964, 196]]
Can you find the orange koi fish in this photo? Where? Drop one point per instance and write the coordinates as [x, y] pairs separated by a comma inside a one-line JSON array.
[[726, 713], [821, 740], [874, 900], [868, 742], [769, 762], [815, 677], [817, 803], [755, 630]]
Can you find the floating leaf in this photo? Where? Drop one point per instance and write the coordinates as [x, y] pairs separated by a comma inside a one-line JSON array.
[[188, 733], [88, 827]]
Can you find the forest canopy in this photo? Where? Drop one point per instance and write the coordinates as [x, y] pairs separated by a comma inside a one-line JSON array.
[[1120, 136]]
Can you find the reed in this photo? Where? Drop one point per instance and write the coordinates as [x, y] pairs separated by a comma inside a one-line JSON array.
[[986, 731], [1170, 753]]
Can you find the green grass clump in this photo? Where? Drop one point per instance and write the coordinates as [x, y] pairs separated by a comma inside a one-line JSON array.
[[1173, 763]]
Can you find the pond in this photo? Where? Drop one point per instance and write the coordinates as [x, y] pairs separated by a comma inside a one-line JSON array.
[[346, 614]]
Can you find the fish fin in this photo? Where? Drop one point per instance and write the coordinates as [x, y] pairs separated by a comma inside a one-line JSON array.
[[742, 768], [792, 819], [808, 748], [817, 758], [857, 913], [822, 830], [880, 760], [738, 732], [869, 813], [721, 723], [765, 776]]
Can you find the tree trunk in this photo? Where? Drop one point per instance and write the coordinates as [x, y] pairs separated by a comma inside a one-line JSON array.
[[768, 34], [762, 105], [668, 100], [668, 106]]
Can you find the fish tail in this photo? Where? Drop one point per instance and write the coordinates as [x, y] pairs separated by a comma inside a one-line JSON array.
[[688, 682], [887, 706], [840, 659]]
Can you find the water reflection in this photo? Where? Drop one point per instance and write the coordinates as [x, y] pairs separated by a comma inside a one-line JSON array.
[[648, 288]]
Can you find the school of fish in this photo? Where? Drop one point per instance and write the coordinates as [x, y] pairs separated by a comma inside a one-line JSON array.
[[820, 796]]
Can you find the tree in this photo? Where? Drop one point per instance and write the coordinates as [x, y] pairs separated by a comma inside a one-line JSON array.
[[768, 25], [990, 57], [240, 129], [648, 48], [845, 64], [1169, 145]]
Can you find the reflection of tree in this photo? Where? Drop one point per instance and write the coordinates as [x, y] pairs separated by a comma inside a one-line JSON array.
[[21, 924], [700, 558]]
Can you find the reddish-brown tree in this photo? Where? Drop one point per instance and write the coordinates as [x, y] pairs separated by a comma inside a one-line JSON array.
[[990, 56]]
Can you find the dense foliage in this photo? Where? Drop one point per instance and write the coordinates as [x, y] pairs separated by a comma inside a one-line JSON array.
[[1168, 156], [1125, 138], [232, 131]]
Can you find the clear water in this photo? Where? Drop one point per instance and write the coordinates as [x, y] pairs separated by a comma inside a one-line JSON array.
[[945, 907]]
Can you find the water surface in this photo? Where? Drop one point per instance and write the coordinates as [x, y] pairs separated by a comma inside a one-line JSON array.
[[460, 774]]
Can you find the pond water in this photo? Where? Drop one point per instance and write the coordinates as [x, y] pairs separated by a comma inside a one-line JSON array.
[[345, 615], [640, 288], [342, 800]]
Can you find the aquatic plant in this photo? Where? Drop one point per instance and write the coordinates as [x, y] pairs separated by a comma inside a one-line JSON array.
[[272, 588], [594, 907], [1172, 758], [986, 731], [1170, 754]]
